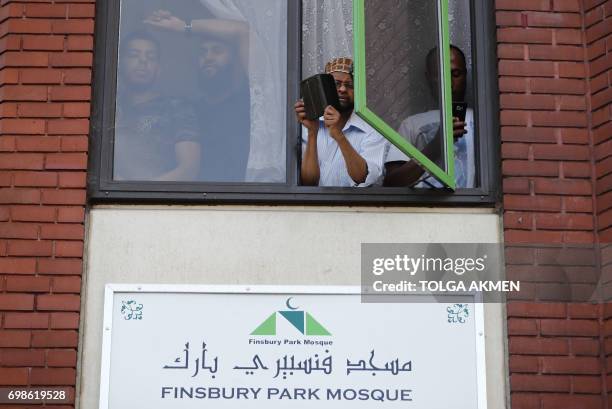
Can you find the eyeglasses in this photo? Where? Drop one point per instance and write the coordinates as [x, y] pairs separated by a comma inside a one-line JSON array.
[[347, 85]]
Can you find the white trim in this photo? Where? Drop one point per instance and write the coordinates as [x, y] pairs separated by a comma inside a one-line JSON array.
[[481, 362], [107, 323]]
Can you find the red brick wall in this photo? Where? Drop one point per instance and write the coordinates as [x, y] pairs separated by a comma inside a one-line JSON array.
[[45, 75], [598, 24], [598, 40], [554, 66], [545, 140]]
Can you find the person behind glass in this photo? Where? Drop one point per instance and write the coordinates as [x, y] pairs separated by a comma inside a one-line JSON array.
[[224, 102], [340, 149], [155, 136], [423, 131]]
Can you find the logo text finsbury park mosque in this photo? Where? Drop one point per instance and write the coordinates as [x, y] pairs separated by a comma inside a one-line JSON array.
[[301, 320]]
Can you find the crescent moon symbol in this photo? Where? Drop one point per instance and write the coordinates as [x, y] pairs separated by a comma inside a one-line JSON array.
[[289, 304]]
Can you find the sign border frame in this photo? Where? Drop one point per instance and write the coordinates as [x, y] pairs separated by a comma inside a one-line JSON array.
[[111, 289]]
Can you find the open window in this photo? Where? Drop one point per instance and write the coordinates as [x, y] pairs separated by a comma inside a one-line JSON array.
[[409, 103], [194, 98]]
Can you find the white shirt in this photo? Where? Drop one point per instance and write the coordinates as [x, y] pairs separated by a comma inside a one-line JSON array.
[[420, 129], [363, 138]]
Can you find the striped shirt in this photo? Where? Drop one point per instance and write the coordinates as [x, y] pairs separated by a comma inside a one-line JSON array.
[[363, 138]]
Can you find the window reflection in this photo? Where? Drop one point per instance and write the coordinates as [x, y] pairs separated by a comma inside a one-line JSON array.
[[208, 104], [223, 108], [156, 136]]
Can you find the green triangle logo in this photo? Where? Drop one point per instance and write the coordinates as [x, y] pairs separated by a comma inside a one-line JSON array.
[[268, 327], [313, 327], [296, 318]]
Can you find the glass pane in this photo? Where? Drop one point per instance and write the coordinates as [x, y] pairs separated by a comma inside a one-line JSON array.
[[201, 91], [403, 81], [463, 86]]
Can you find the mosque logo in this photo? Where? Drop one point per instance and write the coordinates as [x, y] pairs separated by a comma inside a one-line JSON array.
[[301, 320]]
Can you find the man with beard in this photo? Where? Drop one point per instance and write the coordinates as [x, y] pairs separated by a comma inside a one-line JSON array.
[[224, 110], [340, 149], [423, 131], [224, 104], [155, 136]]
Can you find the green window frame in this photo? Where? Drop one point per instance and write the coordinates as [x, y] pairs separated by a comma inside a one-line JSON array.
[[447, 175]]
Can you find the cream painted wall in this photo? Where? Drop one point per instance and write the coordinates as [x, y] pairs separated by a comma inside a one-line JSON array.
[[262, 245]]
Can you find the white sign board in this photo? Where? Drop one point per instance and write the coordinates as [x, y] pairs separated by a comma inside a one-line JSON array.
[[287, 347]]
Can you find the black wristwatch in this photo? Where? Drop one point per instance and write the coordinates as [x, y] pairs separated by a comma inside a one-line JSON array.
[[188, 28]]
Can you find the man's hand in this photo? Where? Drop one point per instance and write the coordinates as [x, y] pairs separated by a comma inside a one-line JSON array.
[[332, 121], [300, 113], [458, 128], [165, 20]]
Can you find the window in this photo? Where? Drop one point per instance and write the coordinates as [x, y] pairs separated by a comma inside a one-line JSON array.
[[411, 104], [194, 98], [204, 102]]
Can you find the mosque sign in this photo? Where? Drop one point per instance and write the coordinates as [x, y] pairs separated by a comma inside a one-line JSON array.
[[287, 347]]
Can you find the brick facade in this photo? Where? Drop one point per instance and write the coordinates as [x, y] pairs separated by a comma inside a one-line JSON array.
[[598, 41], [554, 67], [46, 50]]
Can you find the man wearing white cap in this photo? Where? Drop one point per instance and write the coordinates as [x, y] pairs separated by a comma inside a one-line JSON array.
[[340, 149]]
